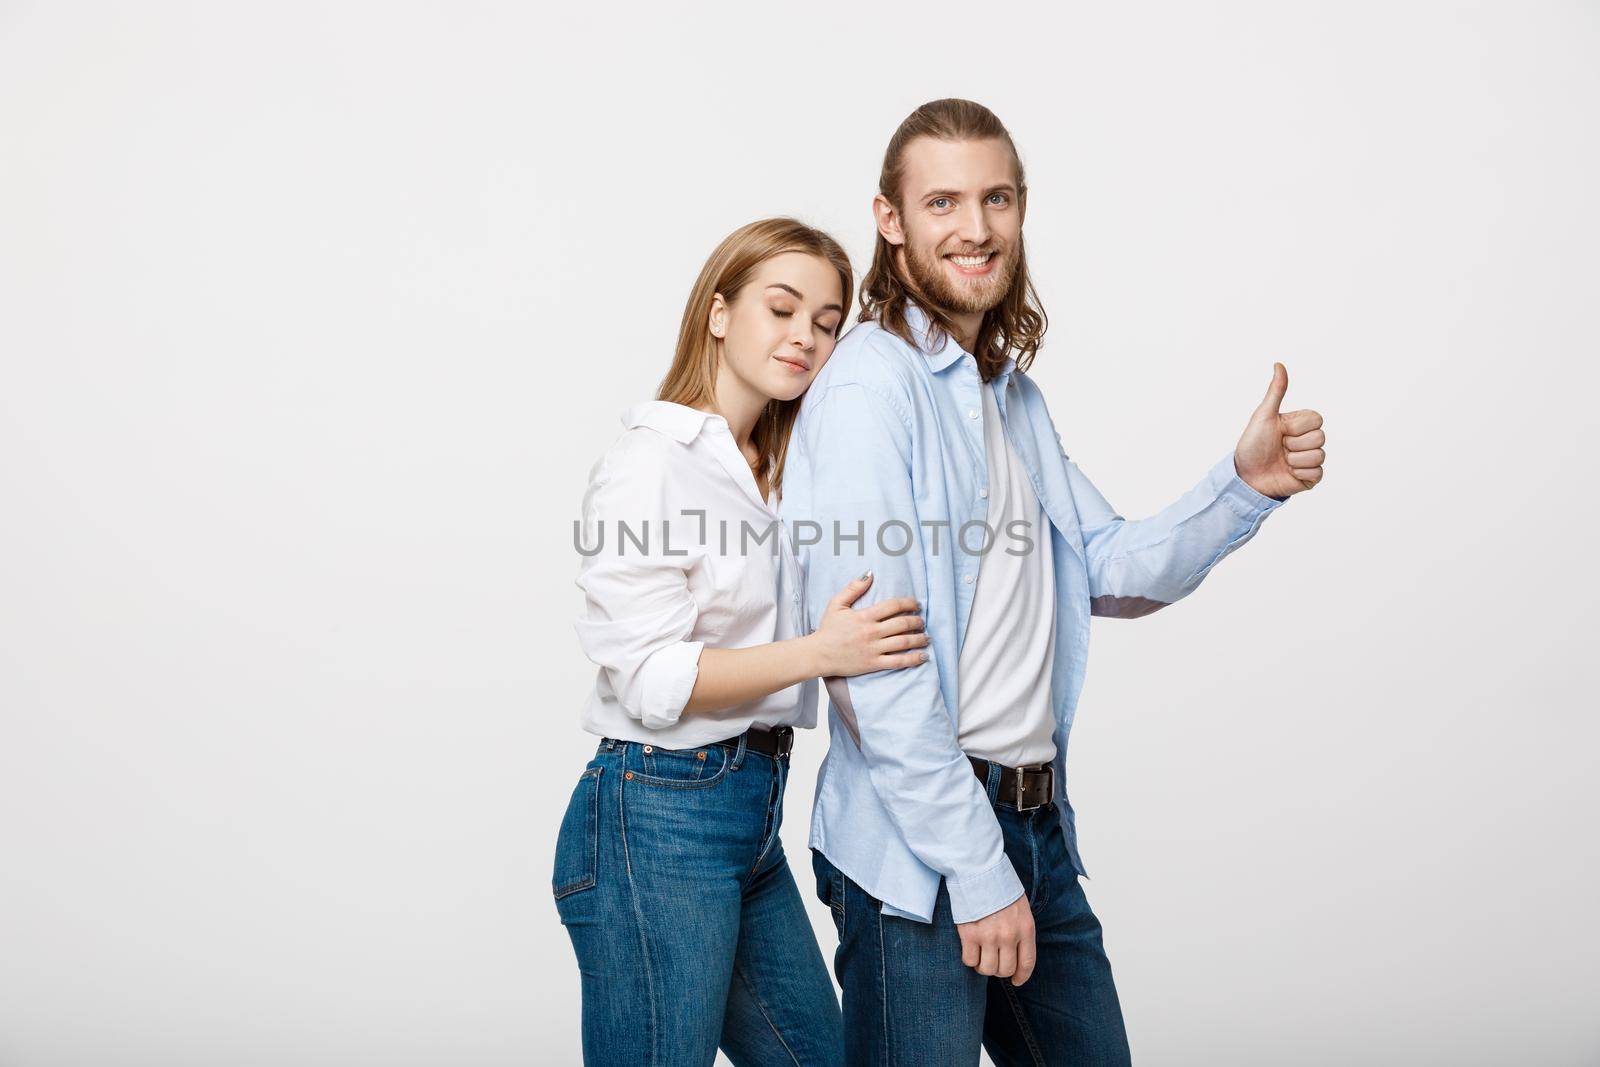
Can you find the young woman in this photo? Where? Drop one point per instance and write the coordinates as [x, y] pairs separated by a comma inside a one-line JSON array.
[[669, 875]]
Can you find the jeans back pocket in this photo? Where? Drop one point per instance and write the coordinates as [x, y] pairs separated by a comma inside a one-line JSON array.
[[578, 843]]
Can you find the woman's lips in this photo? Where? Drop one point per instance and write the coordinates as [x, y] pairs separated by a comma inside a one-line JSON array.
[[795, 365]]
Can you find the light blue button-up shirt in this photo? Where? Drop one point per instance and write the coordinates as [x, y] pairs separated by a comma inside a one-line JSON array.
[[888, 452]]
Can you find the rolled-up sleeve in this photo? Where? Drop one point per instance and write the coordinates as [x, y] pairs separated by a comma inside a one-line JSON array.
[[640, 611]]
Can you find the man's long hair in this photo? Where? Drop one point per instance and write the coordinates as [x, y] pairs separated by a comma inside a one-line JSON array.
[[1017, 323]]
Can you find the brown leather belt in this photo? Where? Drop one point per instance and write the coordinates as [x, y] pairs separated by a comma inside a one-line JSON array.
[[1021, 788], [775, 742]]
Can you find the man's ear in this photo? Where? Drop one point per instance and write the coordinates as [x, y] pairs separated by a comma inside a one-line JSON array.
[[717, 320], [888, 220]]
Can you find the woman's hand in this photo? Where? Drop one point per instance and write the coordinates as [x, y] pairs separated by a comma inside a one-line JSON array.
[[879, 637]]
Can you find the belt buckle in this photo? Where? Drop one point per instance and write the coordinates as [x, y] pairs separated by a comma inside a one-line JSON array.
[[1049, 788]]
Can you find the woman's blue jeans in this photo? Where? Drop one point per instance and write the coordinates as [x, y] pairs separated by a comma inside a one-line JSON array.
[[688, 927]]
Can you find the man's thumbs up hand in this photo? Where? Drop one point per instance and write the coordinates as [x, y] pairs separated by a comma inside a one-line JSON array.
[[1280, 453]]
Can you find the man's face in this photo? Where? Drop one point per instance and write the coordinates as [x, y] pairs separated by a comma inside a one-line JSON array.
[[960, 222]]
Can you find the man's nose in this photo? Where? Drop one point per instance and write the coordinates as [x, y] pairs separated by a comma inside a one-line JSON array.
[[974, 227]]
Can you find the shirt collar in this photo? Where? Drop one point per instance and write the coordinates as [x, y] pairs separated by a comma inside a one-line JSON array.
[[680, 422], [949, 351], [939, 357], [683, 424]]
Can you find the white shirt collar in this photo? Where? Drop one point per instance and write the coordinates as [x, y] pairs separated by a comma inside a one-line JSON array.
[[683, 424], [678, 421]]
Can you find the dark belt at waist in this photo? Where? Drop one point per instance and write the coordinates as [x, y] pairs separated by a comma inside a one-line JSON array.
[[1021, 788], [777, 741]]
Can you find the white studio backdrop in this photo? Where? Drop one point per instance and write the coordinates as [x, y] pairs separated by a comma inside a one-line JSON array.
[[313, 318]]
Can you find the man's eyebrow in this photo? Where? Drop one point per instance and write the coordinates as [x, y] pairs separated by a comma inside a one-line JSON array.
[[798, 295], [1004, 187]]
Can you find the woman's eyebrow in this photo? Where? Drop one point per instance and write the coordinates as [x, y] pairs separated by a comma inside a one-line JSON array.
[[798, 295]]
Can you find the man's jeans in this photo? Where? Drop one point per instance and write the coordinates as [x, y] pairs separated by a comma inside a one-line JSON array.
[[687, 925], [908, 998]]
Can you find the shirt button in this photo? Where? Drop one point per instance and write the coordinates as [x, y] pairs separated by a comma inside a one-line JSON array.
[[968, 579], [984, 493], [971, 414]]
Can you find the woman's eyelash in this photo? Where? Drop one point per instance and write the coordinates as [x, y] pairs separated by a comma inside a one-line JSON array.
[[790, 314]]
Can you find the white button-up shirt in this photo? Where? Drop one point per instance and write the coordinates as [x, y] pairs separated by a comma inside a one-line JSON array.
[[679, 552]]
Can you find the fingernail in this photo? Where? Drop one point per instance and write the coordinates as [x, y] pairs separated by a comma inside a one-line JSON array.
[[864, 575]]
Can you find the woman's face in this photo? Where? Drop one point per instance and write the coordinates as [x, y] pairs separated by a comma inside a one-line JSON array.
[[779, 331]]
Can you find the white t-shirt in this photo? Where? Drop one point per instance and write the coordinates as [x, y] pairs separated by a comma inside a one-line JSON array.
[[1005, 662], [650, 610]]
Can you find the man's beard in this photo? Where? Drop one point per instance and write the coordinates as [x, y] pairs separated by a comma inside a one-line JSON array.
[[959, 295]]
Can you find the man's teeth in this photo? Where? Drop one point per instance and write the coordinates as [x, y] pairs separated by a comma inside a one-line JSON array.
[[971, 261]]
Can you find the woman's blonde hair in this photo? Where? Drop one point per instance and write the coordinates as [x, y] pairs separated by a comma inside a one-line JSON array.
[[692, 378]]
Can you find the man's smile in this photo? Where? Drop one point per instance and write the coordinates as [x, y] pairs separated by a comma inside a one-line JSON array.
[[972, 265]]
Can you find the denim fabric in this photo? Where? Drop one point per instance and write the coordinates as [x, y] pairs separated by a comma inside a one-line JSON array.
[[688, 927], [908, 998]]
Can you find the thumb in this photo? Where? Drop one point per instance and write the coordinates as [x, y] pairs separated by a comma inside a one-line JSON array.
[[852, 592], [1268, 408]]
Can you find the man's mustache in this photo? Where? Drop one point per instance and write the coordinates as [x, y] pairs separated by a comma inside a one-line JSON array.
[[996, 249]]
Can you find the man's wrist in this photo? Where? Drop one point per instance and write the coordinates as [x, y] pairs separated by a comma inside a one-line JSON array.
[[977, 896], [1004, 907], [1244, 499]]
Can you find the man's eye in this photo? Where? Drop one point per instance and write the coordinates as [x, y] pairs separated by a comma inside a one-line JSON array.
[[1002, 197], [939, 202]]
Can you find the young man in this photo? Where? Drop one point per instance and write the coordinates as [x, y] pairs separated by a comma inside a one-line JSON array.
[[942, 836]]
